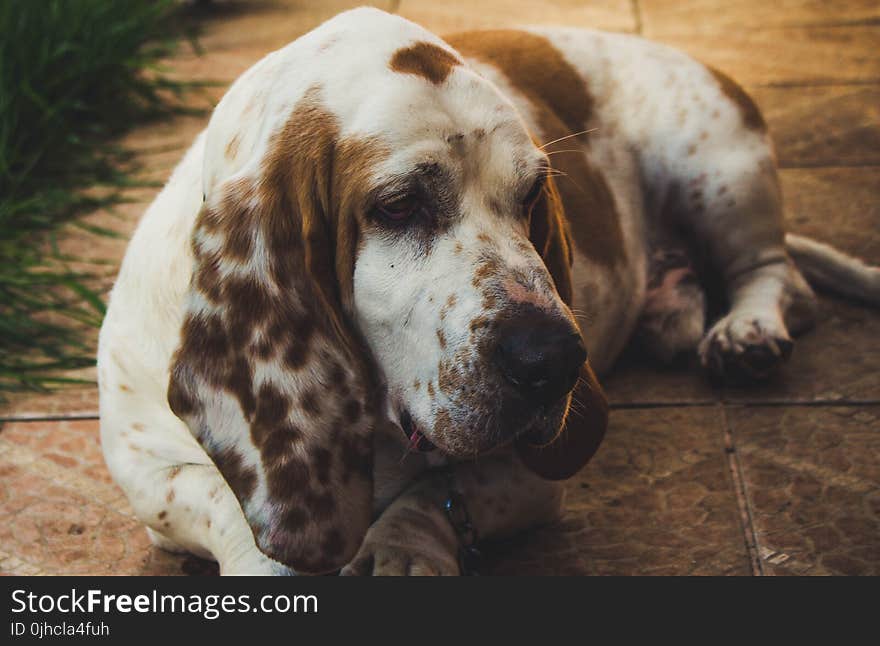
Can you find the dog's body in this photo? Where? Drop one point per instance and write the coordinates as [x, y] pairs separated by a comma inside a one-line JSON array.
[[675, 166]]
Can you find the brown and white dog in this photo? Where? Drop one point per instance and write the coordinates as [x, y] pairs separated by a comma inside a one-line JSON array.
[[385, 242]]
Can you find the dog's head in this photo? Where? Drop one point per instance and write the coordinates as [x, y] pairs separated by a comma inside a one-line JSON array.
[[381, 238]]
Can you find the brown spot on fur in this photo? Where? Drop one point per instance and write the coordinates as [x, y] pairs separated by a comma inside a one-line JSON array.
[[242, 480], [426, 60], [417, 384], [162, 514], [487, 268], [351, 411], [232, 146], [749, 111], [124, 388], [441, 338], [169, 497], [309, 402], [137, 426]]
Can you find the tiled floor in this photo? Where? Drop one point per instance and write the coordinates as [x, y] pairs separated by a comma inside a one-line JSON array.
[[693, 479]]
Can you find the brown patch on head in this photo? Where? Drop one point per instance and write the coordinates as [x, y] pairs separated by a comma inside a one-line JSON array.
[[426, 60], [749, 111], [562, 106], [536, 68]]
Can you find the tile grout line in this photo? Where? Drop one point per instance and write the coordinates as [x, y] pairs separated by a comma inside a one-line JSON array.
[[637, 405], [60, 417], [808, 83], [637, 14], [806, 165], [750, 537]]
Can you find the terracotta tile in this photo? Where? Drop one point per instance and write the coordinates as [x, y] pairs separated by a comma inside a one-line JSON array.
[[823, 126], [657, 499], [47, 527], [836, 205], [660, 16], [638, 379], [59, 531], [781, 54], [70, 444], [271, 24], [447, 17], [813, 482]]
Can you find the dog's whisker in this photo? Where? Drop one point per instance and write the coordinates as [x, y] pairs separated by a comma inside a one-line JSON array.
[[569, 150], [574, 134]]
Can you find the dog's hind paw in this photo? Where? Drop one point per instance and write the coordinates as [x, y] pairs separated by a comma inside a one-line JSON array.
[[745, 346]]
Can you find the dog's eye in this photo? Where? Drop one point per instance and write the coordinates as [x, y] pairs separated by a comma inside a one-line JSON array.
[[398, 210], [534, 192]]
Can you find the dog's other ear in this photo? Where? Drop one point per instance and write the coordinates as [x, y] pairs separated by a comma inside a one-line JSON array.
[[549, 234], [270, 376], [587, 418]]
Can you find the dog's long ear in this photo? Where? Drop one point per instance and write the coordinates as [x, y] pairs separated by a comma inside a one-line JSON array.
[[270, 376], [587, 418]]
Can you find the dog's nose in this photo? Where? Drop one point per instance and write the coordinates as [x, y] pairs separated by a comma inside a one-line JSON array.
[[540, 355]]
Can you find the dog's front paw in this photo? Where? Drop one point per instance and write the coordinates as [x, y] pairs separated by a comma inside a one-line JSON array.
[[407, 542], [745, 346]]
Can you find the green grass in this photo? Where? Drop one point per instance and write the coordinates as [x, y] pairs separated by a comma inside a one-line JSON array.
[[74, 75]]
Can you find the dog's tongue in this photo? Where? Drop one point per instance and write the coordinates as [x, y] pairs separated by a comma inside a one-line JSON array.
[[419, 442]]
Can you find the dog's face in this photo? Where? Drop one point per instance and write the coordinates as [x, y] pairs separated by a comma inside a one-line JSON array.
[[459, 310]]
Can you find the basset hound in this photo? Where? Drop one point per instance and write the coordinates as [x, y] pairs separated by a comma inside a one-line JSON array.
[[370, 286]]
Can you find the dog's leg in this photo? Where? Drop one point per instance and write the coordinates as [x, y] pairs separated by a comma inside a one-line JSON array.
[[741, 230], [413, 536], [729, 203], [191, 508], [184, 501]]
